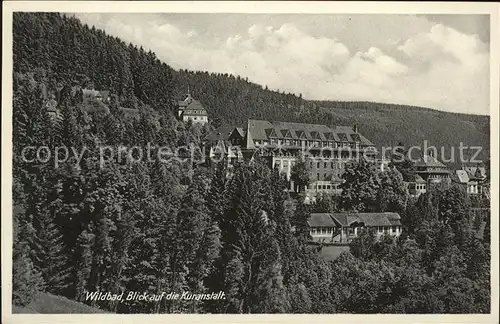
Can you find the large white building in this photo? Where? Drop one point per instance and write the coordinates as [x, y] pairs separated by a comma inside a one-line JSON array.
[[326, 150]]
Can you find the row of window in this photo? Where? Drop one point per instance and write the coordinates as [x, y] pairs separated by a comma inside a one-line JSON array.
[[351, 231], [323, 187], [198, 118], [277, 164], [322, 230], [290, 142], [386, 229], [326, 165]]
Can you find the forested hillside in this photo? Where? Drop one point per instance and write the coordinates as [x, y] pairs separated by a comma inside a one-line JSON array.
[[63, 51], [88, 222]]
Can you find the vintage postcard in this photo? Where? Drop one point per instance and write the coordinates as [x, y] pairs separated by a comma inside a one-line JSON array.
[[248, 161]]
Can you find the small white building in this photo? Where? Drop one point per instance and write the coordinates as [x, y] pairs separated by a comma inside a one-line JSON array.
[[191, 109], [470, 180], [417, 187], [343, 227]]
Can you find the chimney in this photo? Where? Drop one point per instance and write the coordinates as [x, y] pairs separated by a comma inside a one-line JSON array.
[[355, 128]]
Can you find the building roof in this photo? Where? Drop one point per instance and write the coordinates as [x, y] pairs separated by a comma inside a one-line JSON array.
[[103, 93], [368, 219], [429, 161], [321, 220], [221, 133], [240, 131], [263, 129], [89, 92], [463, 176], [419, 179], [194, 109], [185, 102], [191, 107], [475, 171]]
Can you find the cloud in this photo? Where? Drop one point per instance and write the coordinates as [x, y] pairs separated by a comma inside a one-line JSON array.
[[439, 67]]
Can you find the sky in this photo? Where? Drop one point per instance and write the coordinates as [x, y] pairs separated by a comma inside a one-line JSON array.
[[435, 61]]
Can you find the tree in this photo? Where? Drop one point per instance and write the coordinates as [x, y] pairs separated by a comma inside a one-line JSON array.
[[27, 282], [363, 246], [360, 187], [51, 258], [402, 161], [300, 175]]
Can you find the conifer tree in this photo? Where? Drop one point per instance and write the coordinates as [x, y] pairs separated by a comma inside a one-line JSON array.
[[51, 256]]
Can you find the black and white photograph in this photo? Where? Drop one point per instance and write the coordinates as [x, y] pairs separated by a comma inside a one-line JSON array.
[[188, 162]]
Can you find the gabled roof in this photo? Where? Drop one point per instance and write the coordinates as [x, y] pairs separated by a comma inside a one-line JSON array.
[[316, 135], [194, 109], [342, 137], [462, 176], [240, 131], [321, 220], [185, 102], [419, 179], [286, 133], [271, 133], [475, 172], [356, 137], [348, 130], [220, 133], [261, 129], [331, 136], [368, 219], [301, 134]]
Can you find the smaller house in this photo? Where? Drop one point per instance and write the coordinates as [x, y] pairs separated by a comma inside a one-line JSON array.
[[322, 227], [343, 227], [99, 95], [51, 106], [431, 170], [417, 187], [471, 178], [103, 96], [191, 109]]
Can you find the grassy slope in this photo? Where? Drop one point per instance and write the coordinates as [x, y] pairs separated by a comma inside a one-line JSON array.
[[51, 304]]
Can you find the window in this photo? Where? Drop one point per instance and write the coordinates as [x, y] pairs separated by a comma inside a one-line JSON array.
[[317, 165], [317, 176]]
